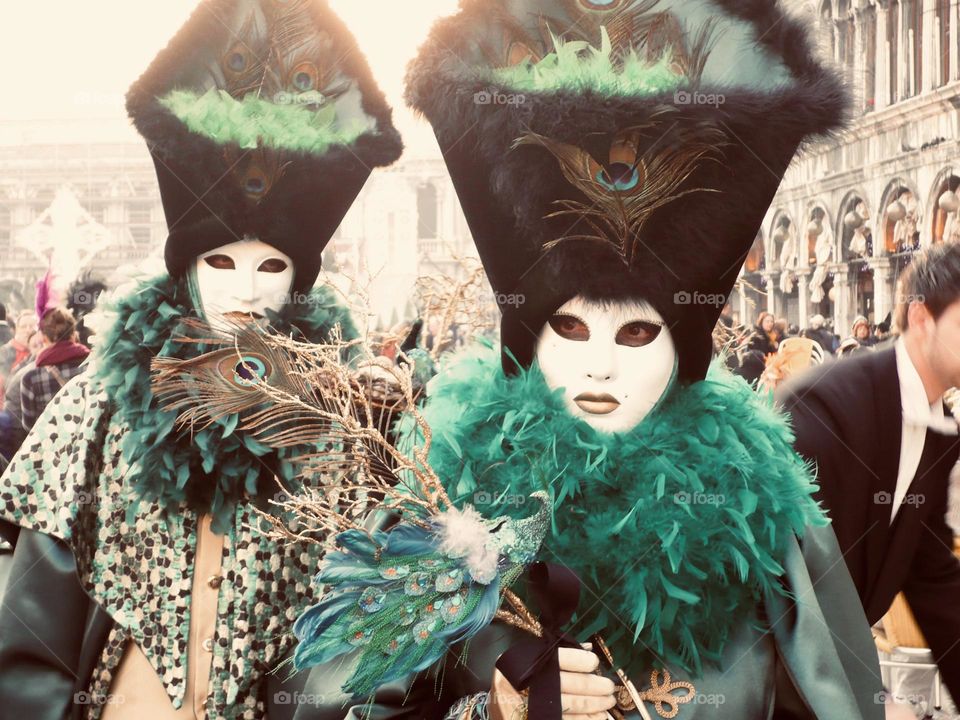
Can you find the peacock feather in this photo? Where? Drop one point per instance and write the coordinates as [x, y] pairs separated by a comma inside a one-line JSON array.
[[624, 190]]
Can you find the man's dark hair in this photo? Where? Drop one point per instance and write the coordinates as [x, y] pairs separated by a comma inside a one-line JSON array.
[[933, 278]]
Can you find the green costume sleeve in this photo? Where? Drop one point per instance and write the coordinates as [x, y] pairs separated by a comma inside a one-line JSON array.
[[822, 634]]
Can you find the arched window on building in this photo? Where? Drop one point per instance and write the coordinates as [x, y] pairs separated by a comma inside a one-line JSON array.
[[901, 232], [856, 239], [869, 29], [428, 212], [942, 33], [893, 46], [946, 213], [913, 47]]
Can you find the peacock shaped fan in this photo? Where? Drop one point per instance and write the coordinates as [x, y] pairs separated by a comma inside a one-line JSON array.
[[407, 573]]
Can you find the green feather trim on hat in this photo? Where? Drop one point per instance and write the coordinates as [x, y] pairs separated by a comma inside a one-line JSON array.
[[578, 66], [678, 525], [293, 125], [211, 468]]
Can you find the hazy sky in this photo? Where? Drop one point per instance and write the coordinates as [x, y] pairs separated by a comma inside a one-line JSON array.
[[67, 63]]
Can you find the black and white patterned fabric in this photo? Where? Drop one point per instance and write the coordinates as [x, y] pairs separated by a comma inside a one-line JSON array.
[[136, 561]]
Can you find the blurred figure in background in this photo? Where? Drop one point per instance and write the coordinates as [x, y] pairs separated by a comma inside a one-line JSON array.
[[6, 332], [765, 338], [862, 333], [60, 360], [820, 335], [17, 350]]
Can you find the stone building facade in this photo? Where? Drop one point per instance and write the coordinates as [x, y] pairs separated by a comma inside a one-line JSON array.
[[851, 212]]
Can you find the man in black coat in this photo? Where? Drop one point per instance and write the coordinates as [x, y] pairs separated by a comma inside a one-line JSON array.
[[884, 446]]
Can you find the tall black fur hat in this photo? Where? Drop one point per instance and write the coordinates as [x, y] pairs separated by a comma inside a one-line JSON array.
[[620, 148], [264, 122]]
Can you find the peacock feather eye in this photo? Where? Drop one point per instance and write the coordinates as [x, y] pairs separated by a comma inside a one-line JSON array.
[[454, 608], [305, 77], [250, 370], [394, 572], [423, 631], [449, 581], [237, 62], [255, 183], [417, 584], [395, 644], [372, 600], [359, 636], [619, 177]]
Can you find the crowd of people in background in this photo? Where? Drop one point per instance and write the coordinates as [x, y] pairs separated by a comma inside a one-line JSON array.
[[754, 346], [37, 357]]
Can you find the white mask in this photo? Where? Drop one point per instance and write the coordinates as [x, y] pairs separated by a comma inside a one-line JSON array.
[[614, 361], [248, 277]]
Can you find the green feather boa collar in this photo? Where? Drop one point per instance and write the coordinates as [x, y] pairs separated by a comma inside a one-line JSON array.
[[675, 528], [210, 469]]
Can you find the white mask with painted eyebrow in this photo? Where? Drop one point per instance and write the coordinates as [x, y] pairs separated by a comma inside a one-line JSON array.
[[247, 277], [614, 361]]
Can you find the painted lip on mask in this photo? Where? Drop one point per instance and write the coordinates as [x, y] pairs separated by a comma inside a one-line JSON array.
[[597, 404]]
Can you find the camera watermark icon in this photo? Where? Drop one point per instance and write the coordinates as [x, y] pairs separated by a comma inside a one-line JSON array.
[[700, 298], [686, 97], [311, 97], [495, 97], [885, 498], [482, 497], [699, 498], [87, 698], [298, 698]]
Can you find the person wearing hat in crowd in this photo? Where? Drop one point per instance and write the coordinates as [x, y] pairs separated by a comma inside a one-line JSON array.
[[610, 206], [862, 333], [142, 584], [819, 334]]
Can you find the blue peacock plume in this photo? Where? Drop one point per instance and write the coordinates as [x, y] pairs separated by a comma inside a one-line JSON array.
[[403, 596]]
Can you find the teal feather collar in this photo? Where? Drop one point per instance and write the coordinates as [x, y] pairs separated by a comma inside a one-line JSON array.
[[675, 529], [213, 468]]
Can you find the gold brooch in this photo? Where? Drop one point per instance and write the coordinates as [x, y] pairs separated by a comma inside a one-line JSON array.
[[662, 693]]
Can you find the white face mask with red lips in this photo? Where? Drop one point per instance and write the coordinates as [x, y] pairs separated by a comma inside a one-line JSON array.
[[248, 277], [613, 360]]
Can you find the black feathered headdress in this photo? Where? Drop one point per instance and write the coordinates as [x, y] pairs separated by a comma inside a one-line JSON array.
[[620, 148], [264, 122]]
